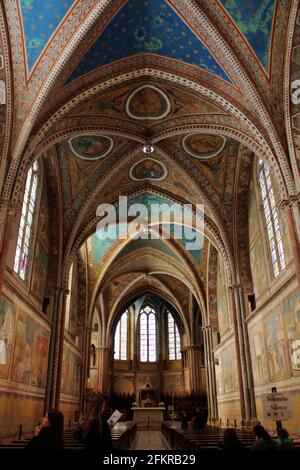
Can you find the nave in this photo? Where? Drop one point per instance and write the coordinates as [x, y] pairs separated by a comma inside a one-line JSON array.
[[149, 440], [149, 219]]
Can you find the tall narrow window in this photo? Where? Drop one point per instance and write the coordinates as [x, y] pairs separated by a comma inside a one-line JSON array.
[[271, 218], [174, 339], [147, 335], [121, 339], [27, 216]]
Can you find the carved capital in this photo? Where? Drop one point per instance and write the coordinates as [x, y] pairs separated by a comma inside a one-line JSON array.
[[193, 347], [234, 287], [292, 201], [61, 290], [9, 207]]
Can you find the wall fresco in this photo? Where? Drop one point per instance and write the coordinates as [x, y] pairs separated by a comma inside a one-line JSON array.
[[40, 357], [258, 353], [71, 367], [24, 342], [258, 267], [7, 326], [40, 268], [226, 370]]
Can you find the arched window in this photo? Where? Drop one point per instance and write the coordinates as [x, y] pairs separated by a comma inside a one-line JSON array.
[[147, 335], [121, 338], [27, 216], [174, 339], [271, 218]]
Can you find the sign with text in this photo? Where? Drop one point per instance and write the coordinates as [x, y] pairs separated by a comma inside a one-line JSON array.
[[114, 418], [277, 406]]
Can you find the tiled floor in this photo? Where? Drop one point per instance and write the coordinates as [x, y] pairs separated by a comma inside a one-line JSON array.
[[149, 440]]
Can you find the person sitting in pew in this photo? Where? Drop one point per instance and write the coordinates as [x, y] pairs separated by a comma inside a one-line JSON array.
[[96, 432], [231, 441], [49, 434], [263, 439]]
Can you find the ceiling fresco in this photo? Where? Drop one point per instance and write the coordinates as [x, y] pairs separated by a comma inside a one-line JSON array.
[[212, 166], [91, 147], [255, 20], [155, 244], [105, 236], [148, 169], [79, 174], [147, 26], [101, 245], [105, 78], [203, 146], [40, 19], [147, 103]]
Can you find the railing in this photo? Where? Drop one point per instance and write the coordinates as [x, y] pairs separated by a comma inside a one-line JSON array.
[[232, 423]]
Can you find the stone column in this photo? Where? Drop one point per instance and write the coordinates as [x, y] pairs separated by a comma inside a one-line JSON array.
[[246, 347], [210, 372], [245, 410], [103, 368], [85, 364], [195, 368], [161, 351], [53, 338], [135, 367], [56, 348], [58, 360], [213, 373]]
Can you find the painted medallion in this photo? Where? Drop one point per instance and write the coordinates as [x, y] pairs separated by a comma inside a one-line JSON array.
[[148, 103], [149, 168], [203, 146], [91, 147]]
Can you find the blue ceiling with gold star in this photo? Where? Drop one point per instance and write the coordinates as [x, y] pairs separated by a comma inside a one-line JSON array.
[[40, 20], [147, 26], [254, 18]]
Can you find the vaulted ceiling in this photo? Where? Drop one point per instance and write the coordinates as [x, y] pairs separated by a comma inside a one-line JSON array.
[[90, 82]]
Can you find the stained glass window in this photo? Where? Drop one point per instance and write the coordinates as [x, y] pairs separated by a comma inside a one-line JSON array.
[[271, 218], [147, 335], [27, 217], [121, 338], [174, 339]]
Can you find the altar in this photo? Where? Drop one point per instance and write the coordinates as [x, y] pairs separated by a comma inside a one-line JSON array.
[[148, 417]]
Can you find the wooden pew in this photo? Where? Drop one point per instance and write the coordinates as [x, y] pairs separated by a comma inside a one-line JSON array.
[[122, 435]]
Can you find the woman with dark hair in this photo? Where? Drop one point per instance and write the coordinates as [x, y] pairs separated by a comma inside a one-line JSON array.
[[263, 439], [230, 440], [49, 434], [96, 433]]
